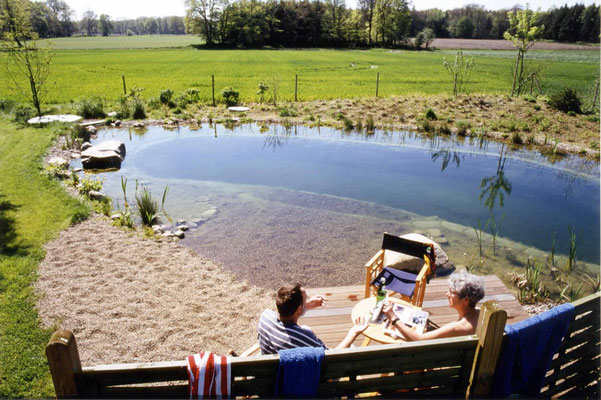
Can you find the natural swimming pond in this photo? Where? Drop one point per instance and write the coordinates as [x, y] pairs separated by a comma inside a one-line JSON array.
[[311, 204]]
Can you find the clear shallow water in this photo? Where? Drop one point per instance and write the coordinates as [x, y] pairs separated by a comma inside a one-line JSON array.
[[458, 181]]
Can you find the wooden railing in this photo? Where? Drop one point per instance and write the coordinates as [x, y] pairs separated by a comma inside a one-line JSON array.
[[454, 367], [575, 369], [442, 367]]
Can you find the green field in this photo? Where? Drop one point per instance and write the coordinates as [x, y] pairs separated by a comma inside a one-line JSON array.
[[121, 42], [322, 74]]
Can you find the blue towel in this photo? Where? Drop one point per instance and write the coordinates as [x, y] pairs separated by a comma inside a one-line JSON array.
[[529, 349], [298, 372]]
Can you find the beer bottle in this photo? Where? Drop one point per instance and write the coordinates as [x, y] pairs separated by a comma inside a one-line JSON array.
[[381, 295]]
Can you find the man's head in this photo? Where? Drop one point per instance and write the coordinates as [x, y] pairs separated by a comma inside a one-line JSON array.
[[289, 298]]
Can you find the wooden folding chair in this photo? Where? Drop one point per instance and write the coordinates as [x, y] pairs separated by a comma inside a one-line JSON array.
[[409, 247]]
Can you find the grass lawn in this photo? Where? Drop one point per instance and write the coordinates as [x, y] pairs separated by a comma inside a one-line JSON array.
[[33, 209], [121, 42], [322, 74]]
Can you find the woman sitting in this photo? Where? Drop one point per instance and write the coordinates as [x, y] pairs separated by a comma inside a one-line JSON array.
[[465, 291]]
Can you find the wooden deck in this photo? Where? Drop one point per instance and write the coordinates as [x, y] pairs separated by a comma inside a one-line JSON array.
[[333, 322]]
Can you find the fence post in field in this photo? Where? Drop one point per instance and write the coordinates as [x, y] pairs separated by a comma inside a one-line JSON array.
[[377, 83], [295, 87], [213, 84], [124, 88]]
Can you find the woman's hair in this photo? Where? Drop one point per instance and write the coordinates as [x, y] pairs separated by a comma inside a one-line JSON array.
[[288, 298], [467, 285]]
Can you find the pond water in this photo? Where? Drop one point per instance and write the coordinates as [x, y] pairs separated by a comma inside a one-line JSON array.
[[302, 203]]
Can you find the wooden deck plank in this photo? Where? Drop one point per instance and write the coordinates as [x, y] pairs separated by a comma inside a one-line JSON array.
[[333, 322]]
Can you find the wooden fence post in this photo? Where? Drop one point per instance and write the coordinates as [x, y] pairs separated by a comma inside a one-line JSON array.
[[490, 330], [64, 363], [213, 85], [124, 88], [295, 87], [377, 83]]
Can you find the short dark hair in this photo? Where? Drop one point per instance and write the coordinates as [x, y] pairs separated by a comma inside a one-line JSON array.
[[288, 298]]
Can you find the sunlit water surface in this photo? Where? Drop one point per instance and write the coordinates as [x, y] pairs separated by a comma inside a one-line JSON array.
[[304, 203]]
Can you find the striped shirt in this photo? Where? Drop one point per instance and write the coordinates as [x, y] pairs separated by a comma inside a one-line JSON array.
[[274, 335]]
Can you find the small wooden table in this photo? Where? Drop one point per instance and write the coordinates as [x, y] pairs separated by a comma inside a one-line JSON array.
[[375, 330]]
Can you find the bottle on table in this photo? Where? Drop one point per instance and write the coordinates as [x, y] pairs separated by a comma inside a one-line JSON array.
[[381, 294]]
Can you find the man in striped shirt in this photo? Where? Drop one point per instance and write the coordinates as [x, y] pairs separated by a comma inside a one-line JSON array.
[[278, 331]]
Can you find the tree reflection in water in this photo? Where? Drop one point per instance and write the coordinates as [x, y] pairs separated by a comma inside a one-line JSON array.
[[278, 137], [496, 186]]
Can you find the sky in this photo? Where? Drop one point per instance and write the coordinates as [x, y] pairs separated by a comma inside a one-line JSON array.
[[120, 9]]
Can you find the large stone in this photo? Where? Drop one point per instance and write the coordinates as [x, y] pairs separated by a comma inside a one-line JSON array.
[[112, 145], [108, 154], [406, 262], [97, 159], [59, 162]]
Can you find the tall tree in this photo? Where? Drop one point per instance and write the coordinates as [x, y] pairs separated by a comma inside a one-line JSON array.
[[589, 20], [464, 28], [62, 16], [15, 25], [106, 25], [368, 8], [523, 32], [27, 66], [202, 17], [89, 23]]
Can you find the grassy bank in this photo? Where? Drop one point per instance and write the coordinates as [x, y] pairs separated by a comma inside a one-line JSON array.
[[33, 209], [322, 73]]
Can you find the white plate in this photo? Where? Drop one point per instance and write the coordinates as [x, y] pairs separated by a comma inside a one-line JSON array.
[[54, 118], [239, 109]]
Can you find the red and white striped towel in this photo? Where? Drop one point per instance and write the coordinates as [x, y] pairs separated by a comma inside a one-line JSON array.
[[209, 376]]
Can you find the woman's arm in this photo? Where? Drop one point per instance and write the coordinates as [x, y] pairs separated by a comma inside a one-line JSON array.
[[451, 329]]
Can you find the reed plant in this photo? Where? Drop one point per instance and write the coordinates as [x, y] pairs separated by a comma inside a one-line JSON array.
[[147, 207], [494, 230], [552, 255], [595, 284], [479, 236], [531, 288], [573, 245], [570, 294]]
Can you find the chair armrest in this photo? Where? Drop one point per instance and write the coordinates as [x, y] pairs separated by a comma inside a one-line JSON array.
[[252, 350], [374, 259]]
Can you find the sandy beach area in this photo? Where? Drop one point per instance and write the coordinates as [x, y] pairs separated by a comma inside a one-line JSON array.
[[131, 299]]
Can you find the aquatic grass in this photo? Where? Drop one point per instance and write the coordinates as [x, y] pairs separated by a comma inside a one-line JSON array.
[[573, 245], [552, 254], [531, 288], [370, 126], [494, 230], [570, 294], [147, 207], [479, 236]]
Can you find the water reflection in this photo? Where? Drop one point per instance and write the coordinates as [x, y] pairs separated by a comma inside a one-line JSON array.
[[277, 138], [497, 185], [379, 169]]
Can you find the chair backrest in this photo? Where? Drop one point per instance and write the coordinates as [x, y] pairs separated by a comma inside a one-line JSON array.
[[412, 248]]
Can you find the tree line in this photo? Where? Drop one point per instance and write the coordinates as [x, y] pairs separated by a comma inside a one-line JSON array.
[[306, 23], [54, 18]]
